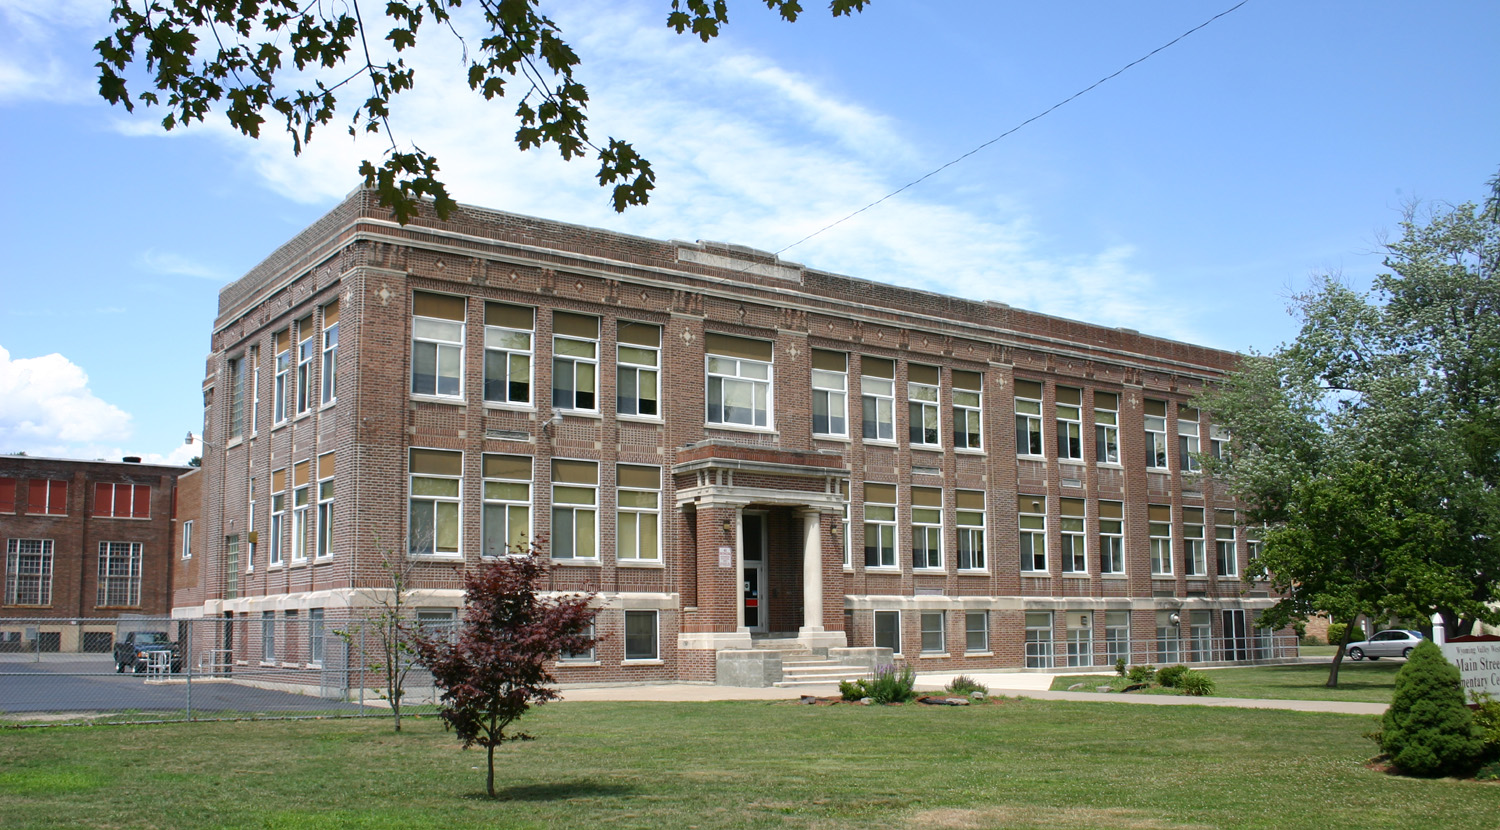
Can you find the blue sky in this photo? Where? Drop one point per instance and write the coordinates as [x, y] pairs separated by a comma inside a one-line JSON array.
[[1188, 197]]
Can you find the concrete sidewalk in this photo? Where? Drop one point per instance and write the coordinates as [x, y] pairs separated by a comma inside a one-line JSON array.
[[1011, 684]]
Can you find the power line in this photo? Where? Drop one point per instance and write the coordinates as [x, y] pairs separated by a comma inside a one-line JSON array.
[[1039, 115]]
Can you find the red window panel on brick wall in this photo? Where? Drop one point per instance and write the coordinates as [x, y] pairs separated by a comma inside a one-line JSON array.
[[48, 498], [140, 505], [7, 495], [122, 501]]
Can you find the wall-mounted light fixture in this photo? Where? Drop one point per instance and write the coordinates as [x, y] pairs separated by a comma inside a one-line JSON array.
[[550, 424]]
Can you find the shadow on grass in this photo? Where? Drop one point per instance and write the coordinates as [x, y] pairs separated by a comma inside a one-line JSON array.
[[559, 791]]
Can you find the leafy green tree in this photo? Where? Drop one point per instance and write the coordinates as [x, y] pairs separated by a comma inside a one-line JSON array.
[[290, 60], [1428, 730], [1368, 449]]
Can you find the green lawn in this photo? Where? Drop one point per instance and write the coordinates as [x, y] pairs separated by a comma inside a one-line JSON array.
[[1023, 763], [1369, 682]]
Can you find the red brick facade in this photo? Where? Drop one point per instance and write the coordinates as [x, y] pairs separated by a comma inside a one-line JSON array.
[[713, 474]]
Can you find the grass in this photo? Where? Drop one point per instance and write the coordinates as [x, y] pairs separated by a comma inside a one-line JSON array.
[[1367, 682], [1022, 763]]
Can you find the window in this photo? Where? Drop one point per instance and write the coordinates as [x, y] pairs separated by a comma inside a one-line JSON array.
[[1116, 637], [1200, 636], [119, 574], [50, 498], [739, 381], [1225, 544], [888, 630], [306, 350], [926, 528], [330, 353], [232, 566], [922, 404], [1106, 428], [1218, 442], [976, 632], [236, 371], [1194, 555], [507, 353], [187, 539], [437, 345], [434, 509], [254, 389], [325, 505], [1156, 434], [1075, 558], [880, 525], [283, 348], [844, 526], [830, 393], [1028, 417], [640, 635], [1159, 531], [438, 623], [120, 501], [249, 528], [932, 632], [638, 499], [268, 636], [289, 625], [278, 514], [1111, 537], [1069, 423], [315, 632], [507, 504], [639, 363], [7, 495], [1168, 645], [967, 394], [1033, 524], [301, 508], [1080, 638], [971, 530], [575, 511], [575, 361], [584, 656], [28, 572], [1038, 639], [877, 387], [1187, 439]]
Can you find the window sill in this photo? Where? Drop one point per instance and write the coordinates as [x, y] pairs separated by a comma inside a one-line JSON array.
[[1024, 457], [648, 564], [303, 415], [929, 571], [652, 661], [293, 665], [882, 569], [640, 419], [435, 557], [879, 442], [1076, 575], [742, 428], [969, 451], [979, 654], [938, 448], [842, 439], [23, 605], [279, 425], [1037, 574], [1110, 465], [1113, 576], [275, 566], [507, 406], [578, 664], [311, 664], [450, 400], [233, 442], [1163, 576], [579, 563], [973, 572], [327, 557], [592, 414]]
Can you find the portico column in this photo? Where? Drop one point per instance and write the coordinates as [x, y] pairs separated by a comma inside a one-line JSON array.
[[812, 570]]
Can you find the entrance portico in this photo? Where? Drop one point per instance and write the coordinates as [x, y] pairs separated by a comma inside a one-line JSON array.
[[764, 528]]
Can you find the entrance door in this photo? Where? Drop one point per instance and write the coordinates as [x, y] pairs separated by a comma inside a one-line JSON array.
[[753, 545], [1236, 642]]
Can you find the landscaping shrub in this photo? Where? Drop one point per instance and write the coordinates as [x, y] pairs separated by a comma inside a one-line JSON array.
[[1336, 633], [963, 685], [1120, 667], [852, 689], [1487, 718], [888, 685], [1142, 674], [1171, 675], [1428, 731], [1195, 683]]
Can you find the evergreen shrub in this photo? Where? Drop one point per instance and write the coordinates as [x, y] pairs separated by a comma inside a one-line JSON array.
[[1196, 683], [1170, 675], [1142, 674], [1428, 731]]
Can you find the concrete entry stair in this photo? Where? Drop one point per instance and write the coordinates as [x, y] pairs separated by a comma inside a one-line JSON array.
[[800, 666]]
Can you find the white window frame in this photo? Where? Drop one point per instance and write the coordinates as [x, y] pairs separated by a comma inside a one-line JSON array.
[[187, 539], [330, 384], [570, 511], [324, 546], [881, 399], [883, 522], [110, 579], [1116, 639], [1188, 445], [1226, 548], [301, 512], [435, 501], [639, 512], [1194, 551], [283, 368], [934, 632], [589, 656], [1029, 428], [1218, 442], [250, 527], [1033, 533], [1038, 647], [732, 370], [968, 418], [1161, 548], [832, 388], [971, 551], [495, 499], [306, 350], [655, 652], [25, 568], [895, 647], [278, 519], [495, 344], [923, 404], [982, 630], [562, 362], [926, 538], [437, 333], [1071, 540], [1157, 455], [1080, 640], [635, 369], [1106, 433], [1069, 432], [236, 370], [254, 389], [1111, 546], [316, 632], [268, 636]]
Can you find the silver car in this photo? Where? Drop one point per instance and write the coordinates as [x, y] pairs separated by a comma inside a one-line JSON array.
[[1397, 642]]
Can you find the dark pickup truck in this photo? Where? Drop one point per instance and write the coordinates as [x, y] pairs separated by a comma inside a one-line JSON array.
[[134, 650]]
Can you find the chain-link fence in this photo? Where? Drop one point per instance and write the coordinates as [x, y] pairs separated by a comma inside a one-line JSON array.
[[153, 669]]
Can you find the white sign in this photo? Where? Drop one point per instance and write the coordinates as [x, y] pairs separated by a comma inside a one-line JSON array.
[[1478, 662], [726, 556]]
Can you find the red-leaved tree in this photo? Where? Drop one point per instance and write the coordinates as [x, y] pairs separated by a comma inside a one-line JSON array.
[[496, 666]]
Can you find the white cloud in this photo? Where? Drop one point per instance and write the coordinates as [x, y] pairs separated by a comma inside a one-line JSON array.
[[37, 44], [46, 407], [178, 265]]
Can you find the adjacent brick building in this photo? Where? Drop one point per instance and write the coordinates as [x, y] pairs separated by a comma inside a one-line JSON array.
[[85, 542], [718, 442]]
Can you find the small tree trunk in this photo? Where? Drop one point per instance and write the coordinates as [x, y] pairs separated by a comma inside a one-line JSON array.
[[489, 782], [1338, 656]]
